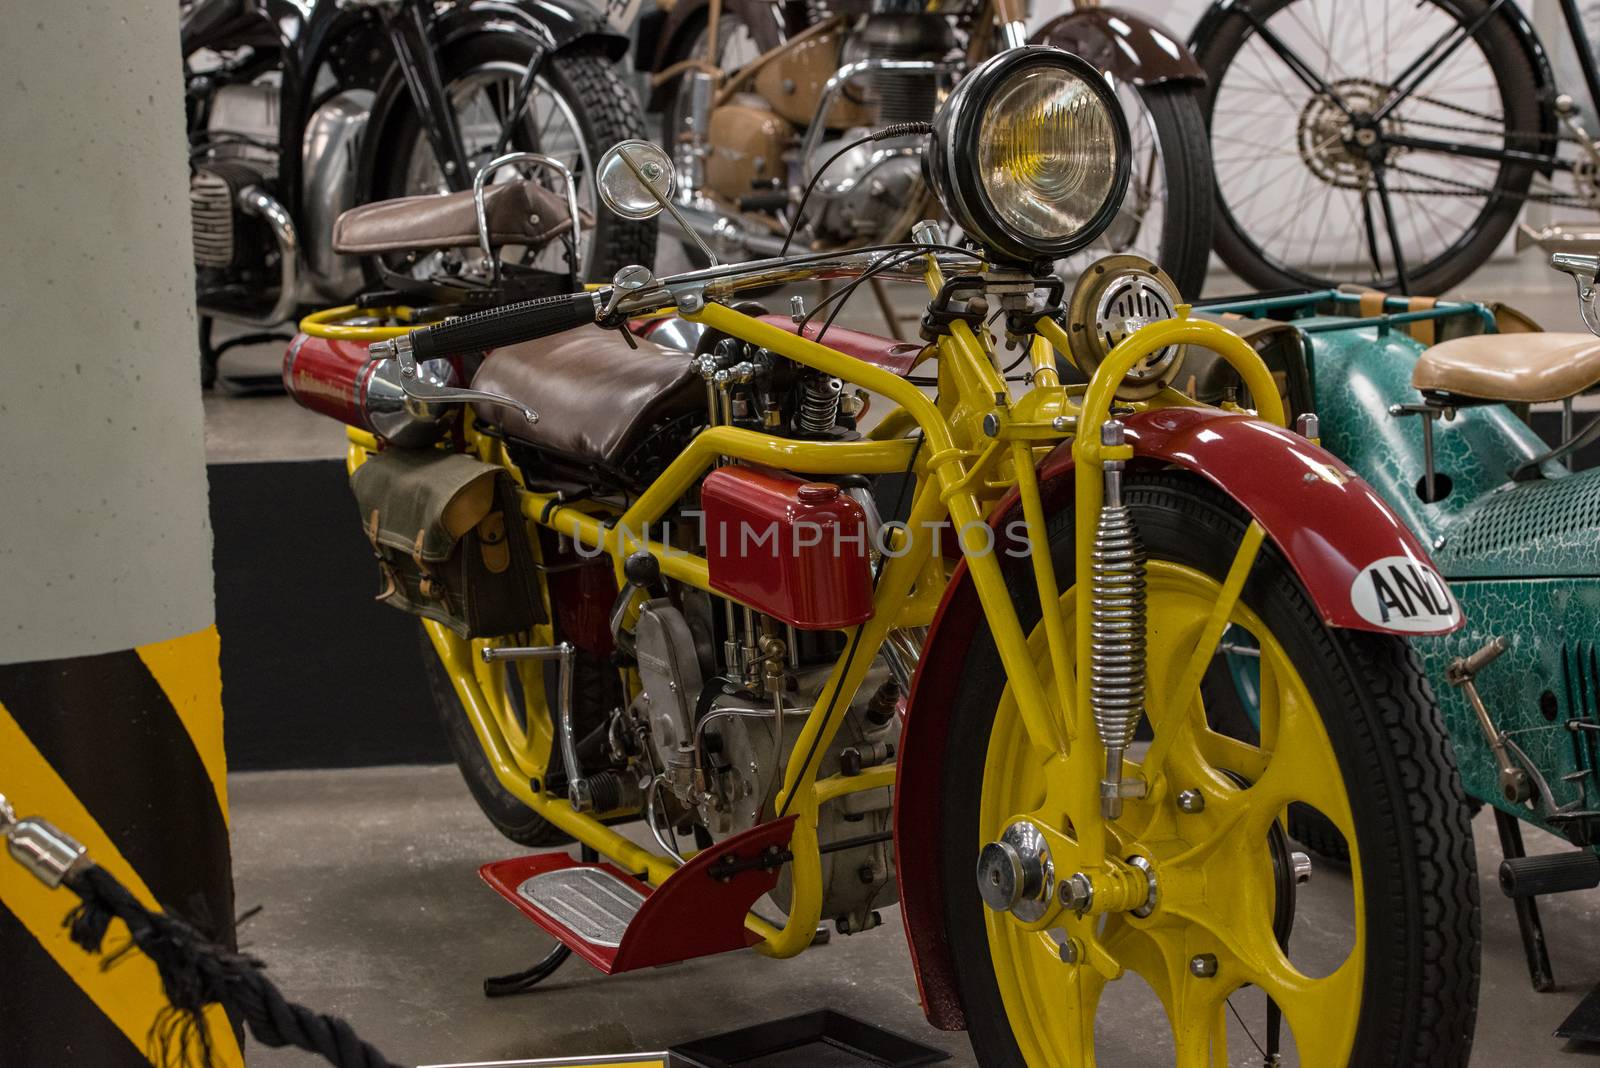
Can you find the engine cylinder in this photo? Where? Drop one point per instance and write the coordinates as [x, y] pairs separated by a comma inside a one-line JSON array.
[[902, 97], [338, 379]]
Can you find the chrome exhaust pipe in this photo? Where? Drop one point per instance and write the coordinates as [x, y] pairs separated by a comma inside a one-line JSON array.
[[729, 238], [253, 200], [1582, 238]]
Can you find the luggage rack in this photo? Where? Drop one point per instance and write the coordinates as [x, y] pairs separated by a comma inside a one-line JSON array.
[[1312, 305]]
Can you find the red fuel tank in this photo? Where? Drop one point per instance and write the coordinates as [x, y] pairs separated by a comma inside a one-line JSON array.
[[337, 379], [797, 551]]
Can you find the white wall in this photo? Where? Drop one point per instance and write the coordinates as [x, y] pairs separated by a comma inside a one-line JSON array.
[[104, 537]]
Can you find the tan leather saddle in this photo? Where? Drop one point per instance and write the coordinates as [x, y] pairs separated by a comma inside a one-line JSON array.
[[519, 213], [1515, 368], [596, 397]]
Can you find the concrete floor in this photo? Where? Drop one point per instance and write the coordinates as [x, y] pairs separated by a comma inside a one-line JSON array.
[[373, 911]]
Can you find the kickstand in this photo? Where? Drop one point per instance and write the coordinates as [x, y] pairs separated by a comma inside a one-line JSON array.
[[1528, 923], [502, 986]]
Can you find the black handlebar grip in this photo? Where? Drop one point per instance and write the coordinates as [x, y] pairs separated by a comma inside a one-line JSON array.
[[491, 329], [1552, 873]]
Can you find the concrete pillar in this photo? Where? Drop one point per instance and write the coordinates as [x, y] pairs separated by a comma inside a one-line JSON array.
[[110, 698]]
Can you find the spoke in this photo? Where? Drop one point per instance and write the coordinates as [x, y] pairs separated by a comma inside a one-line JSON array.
[[1394, 230], [1296, 65], [1185, 695]]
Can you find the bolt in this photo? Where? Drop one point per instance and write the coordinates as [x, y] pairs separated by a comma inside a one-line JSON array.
[[449, 166], [1069, 950], [1300, 864], [1077, 892], [1203, 965], [1366, 138], [991, 425], [651, 171], [1192, 801], [1064, 423]]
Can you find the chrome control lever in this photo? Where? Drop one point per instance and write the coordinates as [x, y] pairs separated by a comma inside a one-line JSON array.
[[419, 388], [1584, 270]]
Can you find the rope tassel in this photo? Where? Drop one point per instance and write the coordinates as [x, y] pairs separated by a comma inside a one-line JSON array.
[[195, 971]]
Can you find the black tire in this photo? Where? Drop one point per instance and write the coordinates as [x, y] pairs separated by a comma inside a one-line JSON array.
[[605, 107], [1523, 114], [1419, 999], [1179, 119], [593, 692]]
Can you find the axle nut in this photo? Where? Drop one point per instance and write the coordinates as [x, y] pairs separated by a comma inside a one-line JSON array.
[[1016, 874]]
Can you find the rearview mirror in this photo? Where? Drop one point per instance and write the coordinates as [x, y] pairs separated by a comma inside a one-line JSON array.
[[635, 179]]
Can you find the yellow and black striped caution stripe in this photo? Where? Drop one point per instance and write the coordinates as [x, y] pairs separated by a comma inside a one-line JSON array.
[[123, 751]]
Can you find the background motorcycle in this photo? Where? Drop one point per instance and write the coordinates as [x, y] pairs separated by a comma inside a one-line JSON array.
[[300, 111], [788, 85]]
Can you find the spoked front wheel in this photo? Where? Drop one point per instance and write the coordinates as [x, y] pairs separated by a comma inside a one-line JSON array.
[[1376, 967]]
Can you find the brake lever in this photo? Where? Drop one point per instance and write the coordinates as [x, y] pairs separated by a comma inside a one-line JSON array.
[[418, 388], [1584, 270]]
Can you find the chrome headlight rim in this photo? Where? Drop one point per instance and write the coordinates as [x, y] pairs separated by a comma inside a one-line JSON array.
[[961, 189]]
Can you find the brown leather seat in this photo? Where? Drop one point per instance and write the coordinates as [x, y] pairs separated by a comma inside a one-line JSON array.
[[1519, 368], [595, 396], [519, 213]]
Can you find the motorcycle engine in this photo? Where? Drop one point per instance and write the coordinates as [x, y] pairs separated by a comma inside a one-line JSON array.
[[722, 754], [235, 252], [241, 152], [875, 192]]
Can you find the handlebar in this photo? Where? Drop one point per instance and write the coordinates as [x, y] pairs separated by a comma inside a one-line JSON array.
[[531, 319], [523, 321], [1584, 270]]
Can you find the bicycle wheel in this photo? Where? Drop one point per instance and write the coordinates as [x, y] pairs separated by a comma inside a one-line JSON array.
[[1385, 974], [1336, 133]]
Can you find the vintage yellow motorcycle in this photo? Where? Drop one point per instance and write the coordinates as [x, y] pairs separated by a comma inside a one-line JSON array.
[[847, 621]]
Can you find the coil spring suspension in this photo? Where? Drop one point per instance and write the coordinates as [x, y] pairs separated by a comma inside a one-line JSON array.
[[819, 404], [1117, 629]]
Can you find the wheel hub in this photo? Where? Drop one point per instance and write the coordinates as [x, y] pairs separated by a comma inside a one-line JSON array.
[[1341, 151], [1016, 874]]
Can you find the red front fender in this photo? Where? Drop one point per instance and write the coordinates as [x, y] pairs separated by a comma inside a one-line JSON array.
[[1343, 541]]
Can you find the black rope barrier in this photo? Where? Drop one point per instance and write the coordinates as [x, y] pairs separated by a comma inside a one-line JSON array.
[[196, 972]]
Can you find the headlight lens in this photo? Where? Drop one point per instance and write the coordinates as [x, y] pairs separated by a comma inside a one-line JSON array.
[[1030, 154], [1048, 153]]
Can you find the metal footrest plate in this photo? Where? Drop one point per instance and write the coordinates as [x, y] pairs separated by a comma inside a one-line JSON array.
[[590, 902]]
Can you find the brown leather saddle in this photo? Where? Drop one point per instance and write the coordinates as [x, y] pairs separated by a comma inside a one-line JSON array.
[[597, 397], [1514, 368], [518, 213]]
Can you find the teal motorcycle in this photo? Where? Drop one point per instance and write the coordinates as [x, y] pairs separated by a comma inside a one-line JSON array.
[[1426, 401]]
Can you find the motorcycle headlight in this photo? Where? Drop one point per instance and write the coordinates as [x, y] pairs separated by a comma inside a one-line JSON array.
[[1030, 154]]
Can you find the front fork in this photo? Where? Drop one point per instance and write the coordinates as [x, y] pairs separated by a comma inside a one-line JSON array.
[[414, 51], [1037, 873]]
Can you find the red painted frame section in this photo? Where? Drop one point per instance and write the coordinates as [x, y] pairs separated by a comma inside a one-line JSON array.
[[1327, 527], [896, 357], [691, 914]]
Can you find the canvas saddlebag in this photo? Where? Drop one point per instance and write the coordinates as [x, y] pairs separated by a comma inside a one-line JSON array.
[[450, 540]]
